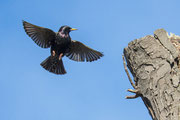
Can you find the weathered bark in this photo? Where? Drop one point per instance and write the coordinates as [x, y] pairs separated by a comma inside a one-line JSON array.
[[153, 62]]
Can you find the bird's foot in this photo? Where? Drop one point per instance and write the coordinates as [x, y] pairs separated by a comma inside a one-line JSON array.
[[60, 56], [53, 53]]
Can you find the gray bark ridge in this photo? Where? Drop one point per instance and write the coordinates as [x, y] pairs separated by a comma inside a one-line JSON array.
[[153, 62]]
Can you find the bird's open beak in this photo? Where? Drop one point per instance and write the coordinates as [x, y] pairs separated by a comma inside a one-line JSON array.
[[73, 29]]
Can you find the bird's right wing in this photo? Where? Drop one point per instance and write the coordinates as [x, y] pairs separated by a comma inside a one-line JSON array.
[[79, 52], [41, 36]]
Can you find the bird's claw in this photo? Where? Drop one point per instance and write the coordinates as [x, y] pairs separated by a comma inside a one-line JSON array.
[[53, 53], [60, 56]]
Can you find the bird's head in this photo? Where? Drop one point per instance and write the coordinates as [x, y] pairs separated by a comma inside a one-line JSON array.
[[66, 29]]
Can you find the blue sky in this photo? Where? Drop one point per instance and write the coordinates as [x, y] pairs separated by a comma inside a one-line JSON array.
[[89, 91]]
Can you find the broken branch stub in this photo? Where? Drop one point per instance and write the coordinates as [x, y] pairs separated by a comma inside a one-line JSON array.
[[153, 62]]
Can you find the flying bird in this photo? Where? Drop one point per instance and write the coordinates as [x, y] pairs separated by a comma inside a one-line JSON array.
[[61, 45]]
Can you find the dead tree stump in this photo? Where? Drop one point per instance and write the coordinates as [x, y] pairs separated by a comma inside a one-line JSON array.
[[153, 62]]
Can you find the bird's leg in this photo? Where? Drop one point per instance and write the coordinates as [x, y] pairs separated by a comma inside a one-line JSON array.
[[60, 56], [53, 53]]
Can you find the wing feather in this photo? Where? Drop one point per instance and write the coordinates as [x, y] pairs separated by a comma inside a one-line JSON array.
[[41, 36], [80, 52]]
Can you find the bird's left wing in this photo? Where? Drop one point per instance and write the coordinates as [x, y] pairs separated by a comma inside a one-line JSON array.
[[41, 36], [79, 52]]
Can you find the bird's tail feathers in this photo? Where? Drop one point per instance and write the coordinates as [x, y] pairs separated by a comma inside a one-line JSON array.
[[54, 65]]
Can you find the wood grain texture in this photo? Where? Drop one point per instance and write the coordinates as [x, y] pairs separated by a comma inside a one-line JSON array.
[[153, 62]]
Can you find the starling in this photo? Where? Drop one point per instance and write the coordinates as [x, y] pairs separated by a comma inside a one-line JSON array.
[[61, 45]]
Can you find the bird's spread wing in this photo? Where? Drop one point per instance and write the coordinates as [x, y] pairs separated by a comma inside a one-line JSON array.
[[41, 36], [80, 52]]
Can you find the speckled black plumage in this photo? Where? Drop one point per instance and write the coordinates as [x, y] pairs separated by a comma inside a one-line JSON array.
[[61, 45]]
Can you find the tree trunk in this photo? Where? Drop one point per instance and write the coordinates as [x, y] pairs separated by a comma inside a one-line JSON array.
[[153, 62]]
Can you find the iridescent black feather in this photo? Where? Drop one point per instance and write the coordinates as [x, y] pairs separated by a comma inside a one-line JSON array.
[[60, 44]]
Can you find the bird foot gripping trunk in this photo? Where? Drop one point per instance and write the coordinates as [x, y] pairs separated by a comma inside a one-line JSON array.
[[54, 65]]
